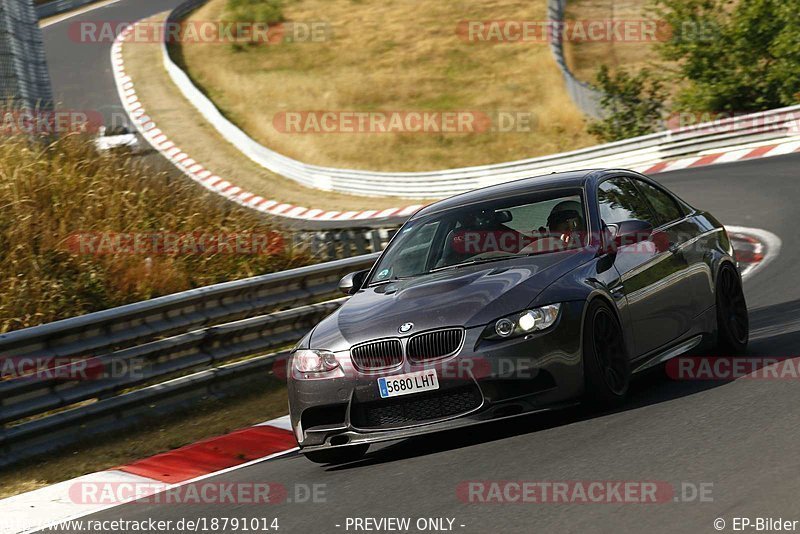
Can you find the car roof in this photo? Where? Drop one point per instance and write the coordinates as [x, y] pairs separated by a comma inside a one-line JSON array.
[[556, 180]]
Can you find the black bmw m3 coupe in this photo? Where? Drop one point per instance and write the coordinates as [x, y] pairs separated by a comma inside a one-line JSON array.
[[520, 297]]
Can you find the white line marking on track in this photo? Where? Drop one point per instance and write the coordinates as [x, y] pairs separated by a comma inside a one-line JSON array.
[[81, 11]]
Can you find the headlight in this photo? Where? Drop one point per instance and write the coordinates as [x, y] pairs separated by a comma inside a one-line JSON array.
[[533, 320], [314, 361]]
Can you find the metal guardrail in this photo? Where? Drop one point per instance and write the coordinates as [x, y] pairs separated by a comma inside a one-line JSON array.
[[327, 245], [108, 370], [586, 97], [24, 78], [634, 152]]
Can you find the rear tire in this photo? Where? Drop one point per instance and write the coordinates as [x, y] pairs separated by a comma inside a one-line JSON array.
[[606, 367], [733, 323], [338, 455]]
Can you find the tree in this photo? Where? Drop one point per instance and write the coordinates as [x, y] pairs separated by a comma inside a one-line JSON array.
[[742, 57], [632, 105]]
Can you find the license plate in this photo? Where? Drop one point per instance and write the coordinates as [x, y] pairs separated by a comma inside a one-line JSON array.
[[394, 386]]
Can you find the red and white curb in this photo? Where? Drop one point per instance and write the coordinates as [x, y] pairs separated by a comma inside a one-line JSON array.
[[88, 494], [197, 172], [753, 248]]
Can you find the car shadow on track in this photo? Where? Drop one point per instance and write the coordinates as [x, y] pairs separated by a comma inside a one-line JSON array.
[[776, 332]]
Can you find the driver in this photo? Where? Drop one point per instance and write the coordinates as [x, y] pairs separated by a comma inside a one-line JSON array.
[[565, 228], [565, 219]]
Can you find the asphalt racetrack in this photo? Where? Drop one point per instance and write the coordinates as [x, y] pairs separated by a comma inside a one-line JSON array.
[[81, 71], [736, 441]]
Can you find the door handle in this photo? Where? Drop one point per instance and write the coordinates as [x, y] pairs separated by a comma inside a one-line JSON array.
[[674, 248]]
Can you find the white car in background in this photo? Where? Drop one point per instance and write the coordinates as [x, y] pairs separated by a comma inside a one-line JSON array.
[[117, 137]]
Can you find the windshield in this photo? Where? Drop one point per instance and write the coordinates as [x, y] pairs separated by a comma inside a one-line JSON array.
[[543, 223]]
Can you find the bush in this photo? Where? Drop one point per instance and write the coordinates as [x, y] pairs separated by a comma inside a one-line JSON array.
[[743, 58], [264, 11], [48, 193], [633, 105]]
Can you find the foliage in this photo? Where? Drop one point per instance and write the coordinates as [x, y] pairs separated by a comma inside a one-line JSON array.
[[633, 104], [733, 57]]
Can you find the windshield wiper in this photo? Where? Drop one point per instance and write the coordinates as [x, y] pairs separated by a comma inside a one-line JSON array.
[[387, 280], [476, 262]]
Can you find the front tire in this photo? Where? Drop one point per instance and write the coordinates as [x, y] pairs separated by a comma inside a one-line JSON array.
[[606, 367], [338, 455], [733, 323]]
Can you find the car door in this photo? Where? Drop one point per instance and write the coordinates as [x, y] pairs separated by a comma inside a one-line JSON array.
[[652, 272], [681, 232]]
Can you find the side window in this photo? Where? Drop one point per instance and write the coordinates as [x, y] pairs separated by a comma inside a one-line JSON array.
[[620, 200], [667, 210], [531, 217]]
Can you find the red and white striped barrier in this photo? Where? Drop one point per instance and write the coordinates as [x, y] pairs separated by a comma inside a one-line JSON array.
[[197, 172], [736, 153], [192, 167]]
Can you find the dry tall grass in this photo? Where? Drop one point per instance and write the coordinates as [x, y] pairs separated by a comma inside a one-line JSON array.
[[393, 56], [185, 127], [49, 193]]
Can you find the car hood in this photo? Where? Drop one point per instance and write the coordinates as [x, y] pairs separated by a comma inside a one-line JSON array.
[[468, 296]]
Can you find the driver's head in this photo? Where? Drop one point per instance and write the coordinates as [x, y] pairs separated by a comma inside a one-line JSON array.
[[478, 220], [565, 217]]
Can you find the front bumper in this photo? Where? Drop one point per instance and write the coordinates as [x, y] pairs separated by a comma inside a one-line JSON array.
[[485, 380]]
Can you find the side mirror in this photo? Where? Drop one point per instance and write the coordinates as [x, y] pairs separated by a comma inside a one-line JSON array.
[[632, 232], [625, 233], [352, 282]]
